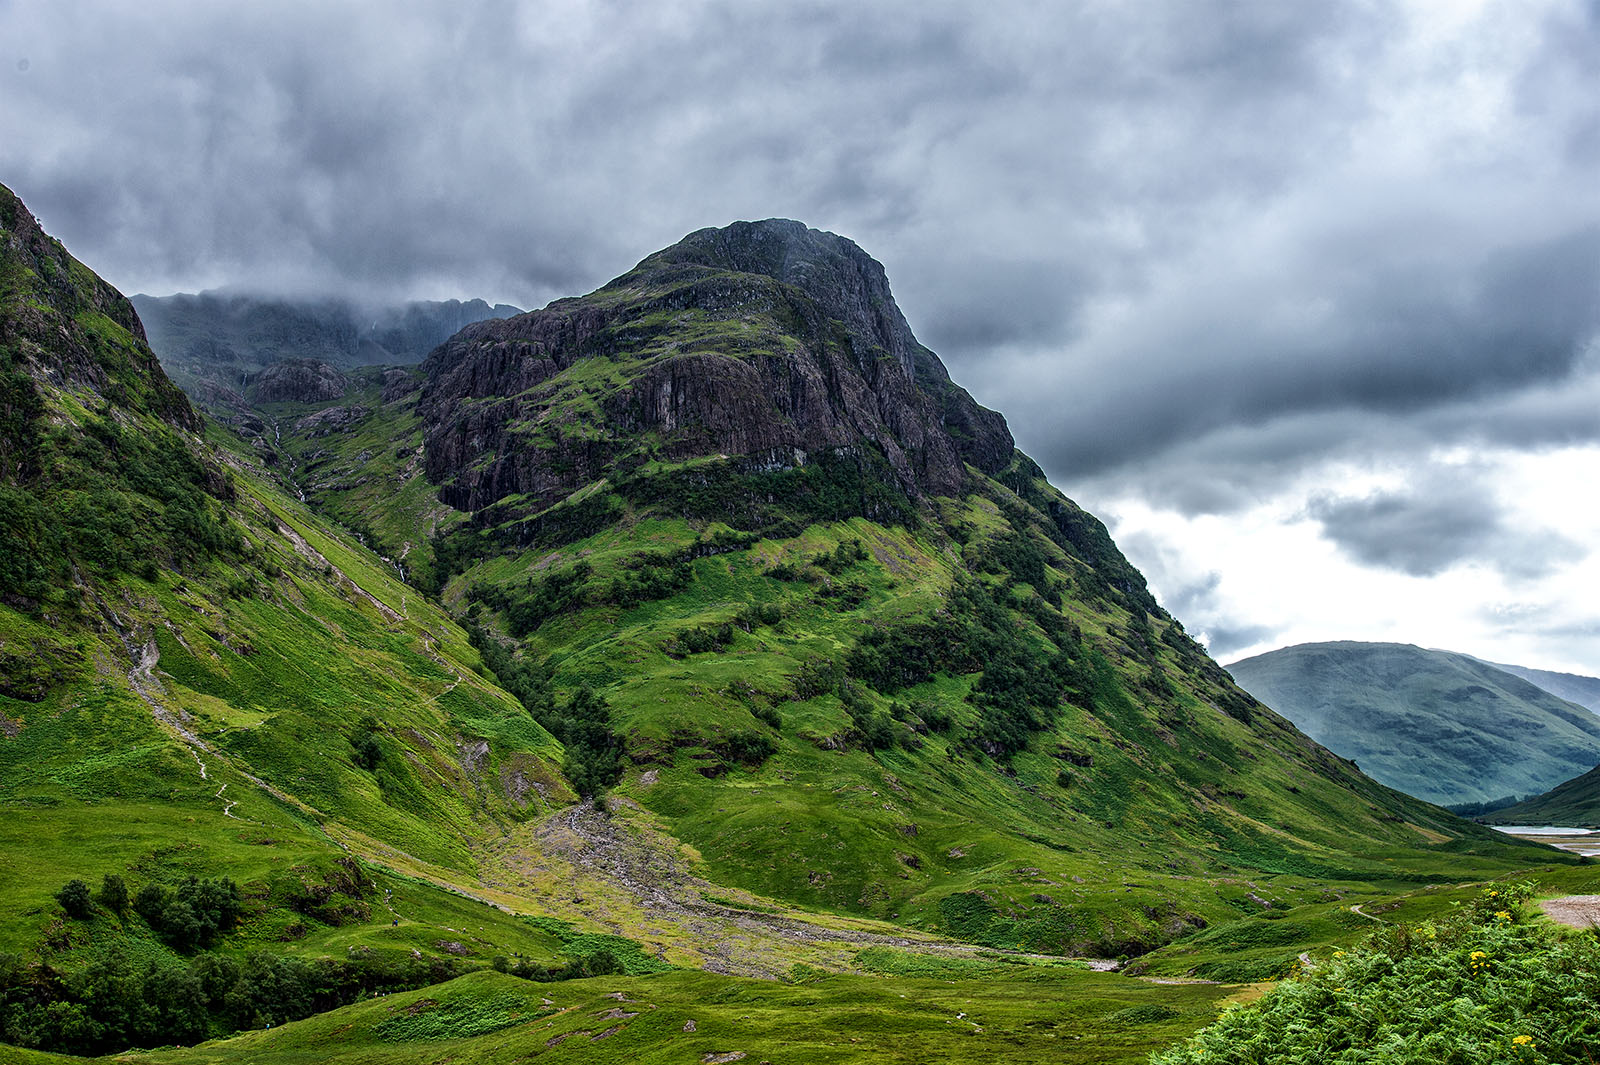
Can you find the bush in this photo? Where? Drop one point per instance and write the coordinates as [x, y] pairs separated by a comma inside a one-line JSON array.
[[747, 747], [75, 899], [113, 893], [365, 749], [1480, 986], [194, 914]]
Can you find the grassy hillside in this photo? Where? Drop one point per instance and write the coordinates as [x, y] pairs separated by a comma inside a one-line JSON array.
[[199, 678], [1444, 727], [843, 722], [1573, 803], [979, 1011]]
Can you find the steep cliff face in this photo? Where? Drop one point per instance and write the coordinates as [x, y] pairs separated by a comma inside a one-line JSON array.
[[764, 342]]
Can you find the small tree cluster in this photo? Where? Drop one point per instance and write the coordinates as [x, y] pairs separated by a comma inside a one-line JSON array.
[[193, 915]]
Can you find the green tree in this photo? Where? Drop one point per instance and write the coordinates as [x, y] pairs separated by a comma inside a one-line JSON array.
[[75, 899], [113, 893]]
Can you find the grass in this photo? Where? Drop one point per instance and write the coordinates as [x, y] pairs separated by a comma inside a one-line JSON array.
[[1061, 1016]]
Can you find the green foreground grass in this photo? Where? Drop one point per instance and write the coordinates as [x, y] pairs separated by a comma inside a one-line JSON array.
[[1033, 1015]]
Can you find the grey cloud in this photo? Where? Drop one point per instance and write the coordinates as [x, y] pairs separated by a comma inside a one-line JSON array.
[[1441, 520], [1187, 248], [1235, 467], [1421, 537], [531, 152], [1225, 641]]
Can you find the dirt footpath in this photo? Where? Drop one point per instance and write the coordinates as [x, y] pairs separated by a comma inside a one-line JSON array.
[[1574, 911]]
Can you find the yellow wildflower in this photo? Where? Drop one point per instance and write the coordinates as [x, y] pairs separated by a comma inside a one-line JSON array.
[[1478, 954], [1523, 1041], [1503, 915]]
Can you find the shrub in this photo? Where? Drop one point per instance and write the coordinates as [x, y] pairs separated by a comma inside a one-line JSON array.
[[75, 899], [365, 749], [1482, 985], [194, 914]]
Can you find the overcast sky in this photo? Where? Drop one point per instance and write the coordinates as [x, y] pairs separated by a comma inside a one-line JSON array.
[[1303, 299]]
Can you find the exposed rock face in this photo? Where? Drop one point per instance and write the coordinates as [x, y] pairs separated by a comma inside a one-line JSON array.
[[331, 420], [397, 383], [764, 341], [298, 381]]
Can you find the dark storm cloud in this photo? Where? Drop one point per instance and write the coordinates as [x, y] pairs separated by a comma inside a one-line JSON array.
[[1183, 246], [1437, 523], [1225, 641], [545, 148], [1421, 537], [1387, 338]]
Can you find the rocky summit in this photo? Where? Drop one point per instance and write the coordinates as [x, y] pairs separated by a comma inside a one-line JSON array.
[[765, 342]]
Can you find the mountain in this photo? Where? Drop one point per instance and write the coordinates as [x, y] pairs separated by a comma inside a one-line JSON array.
[[223, 346], [1573, 803], [299, 717], [1573, 687], [851, 638], [1442, 726], [212, 693]]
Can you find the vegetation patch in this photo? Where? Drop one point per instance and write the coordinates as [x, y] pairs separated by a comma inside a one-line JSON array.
[[1482, 984], [627, 956], [461, 1017]]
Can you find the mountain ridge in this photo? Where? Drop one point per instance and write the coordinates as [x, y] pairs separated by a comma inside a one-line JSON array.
[[1573, 687], [1445, 726]]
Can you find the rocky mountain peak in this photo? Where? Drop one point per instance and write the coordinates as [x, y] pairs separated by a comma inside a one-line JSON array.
[[765, 343], [847, 283]]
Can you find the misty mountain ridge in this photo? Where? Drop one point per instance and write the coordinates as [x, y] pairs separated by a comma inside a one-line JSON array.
[[225, 325], [217, 344], [1443, 726]]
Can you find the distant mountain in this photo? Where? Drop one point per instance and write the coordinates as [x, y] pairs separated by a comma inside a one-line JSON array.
[[1441, 726], [1573, 687], [214, 343], [1574, 802]]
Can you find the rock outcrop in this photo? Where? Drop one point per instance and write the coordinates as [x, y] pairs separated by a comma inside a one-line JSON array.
[[298, 381], [764, 342]]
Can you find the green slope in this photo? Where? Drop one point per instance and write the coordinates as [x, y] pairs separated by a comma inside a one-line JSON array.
[[1442, 726], [977, 1013], [199, 677], [1573, 803]]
